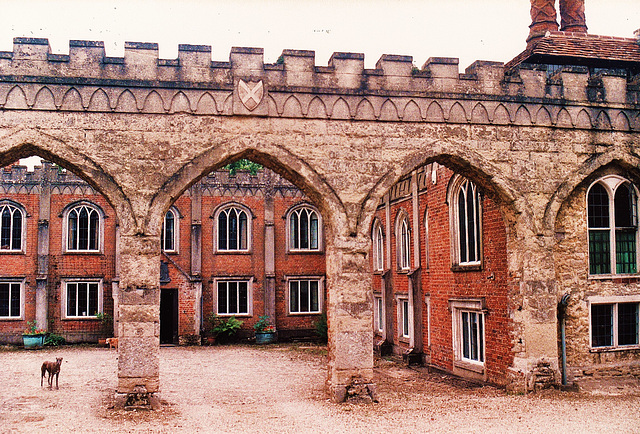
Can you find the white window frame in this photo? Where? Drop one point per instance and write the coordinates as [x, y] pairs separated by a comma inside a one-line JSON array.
[[611, 183], [21, 289], [378, 313], [64, 291], [615, 301], [426, 239], [176, 231], [225, 208], [403, 242], [16, 207], [66, 215], [469, 306], [321, 292], [378, 247], [239, 279], [457, 184], [297, 210], [405, 331]]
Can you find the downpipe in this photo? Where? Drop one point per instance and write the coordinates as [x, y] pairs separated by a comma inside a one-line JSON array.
[[562, 311]]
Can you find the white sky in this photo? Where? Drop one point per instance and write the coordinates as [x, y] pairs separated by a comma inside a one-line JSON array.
[[467, 29]]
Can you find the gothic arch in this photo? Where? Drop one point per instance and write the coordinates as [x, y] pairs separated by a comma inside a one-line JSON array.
[[583, 172], [28, 142], [270, 155]]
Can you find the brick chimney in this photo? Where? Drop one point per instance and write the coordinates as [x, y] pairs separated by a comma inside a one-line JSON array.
[[572, 16], [543, 19]]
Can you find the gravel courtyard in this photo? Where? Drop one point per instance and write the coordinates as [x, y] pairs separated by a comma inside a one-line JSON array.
[[279, 389]]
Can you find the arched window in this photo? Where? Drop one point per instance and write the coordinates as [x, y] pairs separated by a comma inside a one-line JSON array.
[[612, 218], [403, 237], [466, 208], [83, 228], [426, 239], [378, 247], [233, 229], [170, 231], [11, 228], [304, 228]]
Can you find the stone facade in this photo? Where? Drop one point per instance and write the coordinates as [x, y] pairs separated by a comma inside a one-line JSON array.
[[43, 265], [142, 130]]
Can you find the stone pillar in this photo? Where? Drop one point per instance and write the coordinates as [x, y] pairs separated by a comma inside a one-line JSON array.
[[196, 254], [543, 19], [415, 281], [139, 315], [350, 315], [42, 277], [387, 294], [572, 17], [269, 255]]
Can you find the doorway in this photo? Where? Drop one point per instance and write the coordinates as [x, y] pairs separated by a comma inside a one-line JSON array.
[[168, 316]]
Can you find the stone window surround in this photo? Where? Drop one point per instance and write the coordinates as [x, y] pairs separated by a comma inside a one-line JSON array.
[[456, 306], [321, 293], [453, 191], [400, 299], [287, 216], [23, 239], [249, 280], [403, 252], [65, 227], [613, 299], [377, 237], [176, 231], [611, 183], [250, 217], [378, 315], [63, 292], [22, 282]]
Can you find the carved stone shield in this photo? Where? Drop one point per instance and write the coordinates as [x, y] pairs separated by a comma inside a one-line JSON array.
[[250, 93]]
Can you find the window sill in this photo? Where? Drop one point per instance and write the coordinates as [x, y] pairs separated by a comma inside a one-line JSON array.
[[12, 252], [616, 278], [82, 252], [614, 349], [468, 366], [305, 252], [463, 268], [237, 315], [12, 318], [80, 318], [232, 252], [404, 270], [304, 313]]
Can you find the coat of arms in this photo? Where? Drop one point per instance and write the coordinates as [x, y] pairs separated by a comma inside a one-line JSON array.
[[250, 93]]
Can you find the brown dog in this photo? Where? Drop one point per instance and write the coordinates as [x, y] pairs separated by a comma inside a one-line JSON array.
[[53, 368], [112, 342]]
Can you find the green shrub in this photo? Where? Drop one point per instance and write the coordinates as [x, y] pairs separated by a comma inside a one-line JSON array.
[[54, 340], [322, 328]]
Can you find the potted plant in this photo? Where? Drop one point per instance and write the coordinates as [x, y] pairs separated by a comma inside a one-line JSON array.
[[221, 329], [106, 321], [33, 337], [265, 331]]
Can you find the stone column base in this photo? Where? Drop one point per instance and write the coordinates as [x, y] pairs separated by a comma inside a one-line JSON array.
[[355, 392], [138, 399]]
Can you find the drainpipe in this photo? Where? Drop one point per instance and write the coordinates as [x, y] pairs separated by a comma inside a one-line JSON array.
[[562, 310]]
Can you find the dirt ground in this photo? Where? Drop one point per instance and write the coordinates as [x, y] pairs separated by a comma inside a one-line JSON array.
[[280, 389]]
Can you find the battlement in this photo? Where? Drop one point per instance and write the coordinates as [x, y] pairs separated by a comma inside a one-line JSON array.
[[345, 72]]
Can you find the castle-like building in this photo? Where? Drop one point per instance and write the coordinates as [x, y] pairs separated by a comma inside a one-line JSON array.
[[484, 222]]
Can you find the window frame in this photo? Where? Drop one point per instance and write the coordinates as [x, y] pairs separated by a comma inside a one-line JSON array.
[[66, 215], [23, 228], [65, 300], [614, 301], [378, 313], [611, 183], [289, 232], [458, 182], [225, 208], [239, 279], [21, 292], [475, 307], [321, 292], [403, 242], [378, 247], [176, 231], [405, 331]]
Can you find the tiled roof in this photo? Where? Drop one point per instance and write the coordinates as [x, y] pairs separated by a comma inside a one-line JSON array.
[[581, 49]]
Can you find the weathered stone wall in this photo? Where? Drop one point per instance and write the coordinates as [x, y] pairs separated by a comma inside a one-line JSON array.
[[143, 129]]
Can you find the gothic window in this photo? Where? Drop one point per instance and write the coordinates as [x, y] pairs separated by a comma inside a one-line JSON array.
[[378, 247], [304, 229], [11, 227], [403, 239], [233, 223], [612, 217], [466, 222], [83, 228], [170, 228]]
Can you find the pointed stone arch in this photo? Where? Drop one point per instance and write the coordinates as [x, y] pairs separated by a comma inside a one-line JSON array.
[[126, 102], [365, 111], [457, 114], [153, 103], [44, 100], [207, 105], [180, 103], [501, 115], [523, 117], [479, 114], [16, 99], [388, 111], [411, 112], [583, 120], [435, 112], [564, 119], [292, 108], [99, 102], [72, 100], [317, 109], [602, 121], [621, 122], [340, 110], [543, 117]]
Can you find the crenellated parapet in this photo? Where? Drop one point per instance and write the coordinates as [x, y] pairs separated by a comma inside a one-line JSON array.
[[33, 78]]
